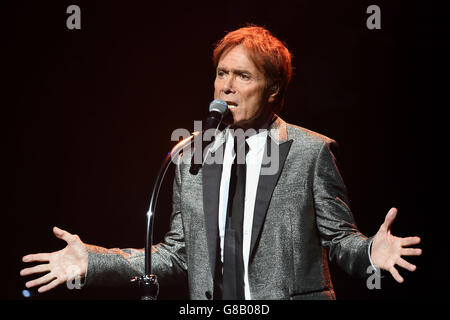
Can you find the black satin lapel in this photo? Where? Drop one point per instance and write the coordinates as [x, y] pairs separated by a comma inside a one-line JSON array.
[[211, 176], [266, 184]]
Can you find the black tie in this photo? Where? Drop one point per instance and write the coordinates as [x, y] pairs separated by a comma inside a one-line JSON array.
[[233, 264]]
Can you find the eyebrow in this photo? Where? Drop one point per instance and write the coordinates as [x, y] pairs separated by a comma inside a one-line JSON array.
[[238, 71]]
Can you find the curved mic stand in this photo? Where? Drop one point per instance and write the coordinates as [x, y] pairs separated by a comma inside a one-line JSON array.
[[148, 283]]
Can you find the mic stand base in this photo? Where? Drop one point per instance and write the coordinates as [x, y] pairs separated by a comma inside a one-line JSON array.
[[149, 286]]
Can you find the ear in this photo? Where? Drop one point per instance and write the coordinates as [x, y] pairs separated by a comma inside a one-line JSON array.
[[273, 92]]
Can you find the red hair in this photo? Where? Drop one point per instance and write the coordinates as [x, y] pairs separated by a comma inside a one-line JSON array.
[[268, 53]]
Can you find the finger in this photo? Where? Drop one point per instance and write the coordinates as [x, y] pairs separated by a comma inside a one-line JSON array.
[[410, 241], [50, 286], [36, 269], [389, 219], [44, 279], [63, 234], [396, 275], [39, 257], [411, 252], [406, 265]]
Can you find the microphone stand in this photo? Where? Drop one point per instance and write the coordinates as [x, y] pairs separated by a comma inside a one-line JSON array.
[[148, 283]]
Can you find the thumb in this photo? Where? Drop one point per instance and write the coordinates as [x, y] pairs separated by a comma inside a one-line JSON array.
[[389, 219], [62, 234]]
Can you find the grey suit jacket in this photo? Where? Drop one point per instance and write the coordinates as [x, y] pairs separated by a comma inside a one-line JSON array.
[[301, 220]]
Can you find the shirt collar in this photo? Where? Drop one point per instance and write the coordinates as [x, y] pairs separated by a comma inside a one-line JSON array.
[[255, 142], [273, 127]]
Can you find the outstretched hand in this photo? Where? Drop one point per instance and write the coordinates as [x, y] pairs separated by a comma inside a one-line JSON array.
[[387, 249], [60, 264]]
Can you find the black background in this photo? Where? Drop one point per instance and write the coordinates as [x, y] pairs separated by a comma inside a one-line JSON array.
[[89, 113]]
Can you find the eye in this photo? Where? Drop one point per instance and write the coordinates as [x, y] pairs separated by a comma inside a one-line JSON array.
[[220, 73], [244, 76]]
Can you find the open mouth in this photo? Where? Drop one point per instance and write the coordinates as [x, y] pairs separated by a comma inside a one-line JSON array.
[[231, 105]]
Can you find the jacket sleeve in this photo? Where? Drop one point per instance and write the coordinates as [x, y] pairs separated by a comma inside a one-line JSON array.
[[116, 266], [338, 231]]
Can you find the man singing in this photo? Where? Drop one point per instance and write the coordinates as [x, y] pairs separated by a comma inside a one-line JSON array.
[[237, 232]]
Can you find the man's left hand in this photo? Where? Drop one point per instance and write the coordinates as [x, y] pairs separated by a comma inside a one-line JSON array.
[[387, 249]]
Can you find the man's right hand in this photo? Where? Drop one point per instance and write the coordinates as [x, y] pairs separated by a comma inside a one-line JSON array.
[[60, 265]]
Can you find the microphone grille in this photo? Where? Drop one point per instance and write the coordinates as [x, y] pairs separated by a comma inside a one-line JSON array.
[[219, 106]]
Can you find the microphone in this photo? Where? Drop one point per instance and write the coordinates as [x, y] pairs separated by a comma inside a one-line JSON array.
[[218, 109]]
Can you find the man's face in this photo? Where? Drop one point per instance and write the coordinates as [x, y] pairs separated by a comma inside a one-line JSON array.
[[243, 87]]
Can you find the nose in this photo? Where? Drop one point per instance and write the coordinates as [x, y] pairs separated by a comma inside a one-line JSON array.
[[228, 86]]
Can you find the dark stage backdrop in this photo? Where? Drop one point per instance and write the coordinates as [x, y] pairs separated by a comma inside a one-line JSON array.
[[89, 114]]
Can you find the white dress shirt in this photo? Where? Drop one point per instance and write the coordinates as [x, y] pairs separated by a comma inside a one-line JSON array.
[[253, 158]]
